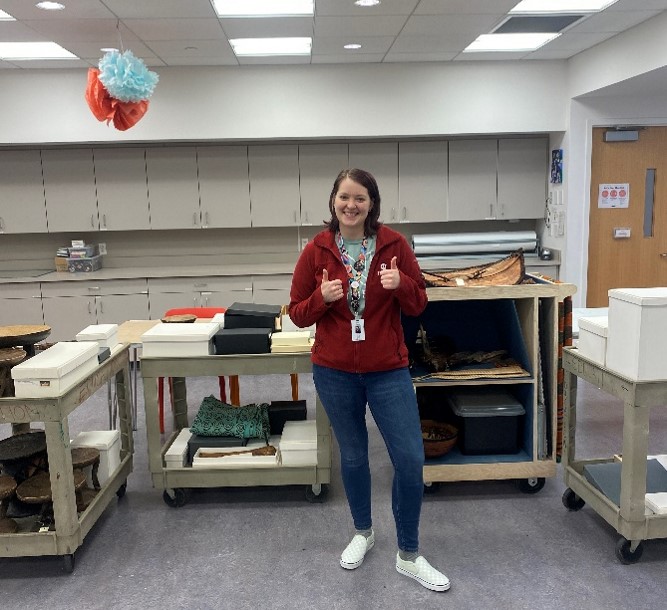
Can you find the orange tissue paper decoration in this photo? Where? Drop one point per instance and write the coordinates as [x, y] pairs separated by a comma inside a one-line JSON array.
[[106, 108]]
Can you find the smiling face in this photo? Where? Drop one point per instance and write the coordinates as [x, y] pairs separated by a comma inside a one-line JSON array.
[[351, 206]]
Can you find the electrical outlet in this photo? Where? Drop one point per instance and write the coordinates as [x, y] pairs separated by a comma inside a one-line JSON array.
[[304, 241], [102, 248]]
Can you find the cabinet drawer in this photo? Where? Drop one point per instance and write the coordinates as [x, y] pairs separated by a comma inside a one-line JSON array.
[[21, 291], [200, 284], [93, 288]]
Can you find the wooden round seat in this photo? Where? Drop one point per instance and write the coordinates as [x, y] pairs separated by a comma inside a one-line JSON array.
[[7, 490], [9, 357], [179, 317], [37, 489], [87, 456]]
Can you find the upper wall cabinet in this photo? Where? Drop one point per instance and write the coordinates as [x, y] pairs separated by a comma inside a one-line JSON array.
[[69, 187], [472, 179], [319, 165], [522, 177], [173, 191], [224, 188], [381, 160], [274, 185], [122, 192], [22, 207], [422, 182]]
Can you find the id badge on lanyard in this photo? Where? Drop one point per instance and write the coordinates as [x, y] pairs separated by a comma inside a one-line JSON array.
[[358, 333]]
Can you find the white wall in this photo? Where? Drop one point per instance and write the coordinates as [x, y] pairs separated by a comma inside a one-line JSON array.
[[296, 102]]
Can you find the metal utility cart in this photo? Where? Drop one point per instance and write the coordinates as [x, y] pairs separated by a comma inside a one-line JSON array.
[[524, 319], [70, 527], [177, 482], [630, 519]]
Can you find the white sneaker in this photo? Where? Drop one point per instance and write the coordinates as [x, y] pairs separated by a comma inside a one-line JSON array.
[[423, 572], [354, 553]]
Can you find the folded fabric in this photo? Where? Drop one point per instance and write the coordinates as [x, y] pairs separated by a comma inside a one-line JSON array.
[[216, 418]]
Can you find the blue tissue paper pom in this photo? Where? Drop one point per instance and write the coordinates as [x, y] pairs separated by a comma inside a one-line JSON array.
[[126, 77]]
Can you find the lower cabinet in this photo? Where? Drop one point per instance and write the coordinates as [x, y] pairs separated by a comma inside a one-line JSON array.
[[22, 306], [272, 290]]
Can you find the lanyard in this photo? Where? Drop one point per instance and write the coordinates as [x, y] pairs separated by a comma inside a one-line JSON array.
[[356, 272]]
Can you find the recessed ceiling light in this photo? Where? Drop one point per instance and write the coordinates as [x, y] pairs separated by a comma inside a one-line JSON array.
[[6, 16], [34, 50], [263, 8], [50, 6], [367, 2], [108, 49], [562, 6], [352, 45], [271, 46], [509, 42]]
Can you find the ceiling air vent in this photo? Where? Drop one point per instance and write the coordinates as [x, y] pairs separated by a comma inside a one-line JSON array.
[[534, 24]]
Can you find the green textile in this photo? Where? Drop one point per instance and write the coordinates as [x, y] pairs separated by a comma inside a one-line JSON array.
[[216, 418]]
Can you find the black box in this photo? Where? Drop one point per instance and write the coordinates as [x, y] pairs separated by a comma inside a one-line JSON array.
[[242, 340], [197, 442], [281, 411], [489, 420], [252, 315]]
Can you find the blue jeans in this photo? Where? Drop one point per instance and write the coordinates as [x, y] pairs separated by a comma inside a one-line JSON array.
[[391, 399]]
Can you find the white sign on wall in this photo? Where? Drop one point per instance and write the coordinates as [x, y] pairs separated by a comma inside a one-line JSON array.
[[614, 196]]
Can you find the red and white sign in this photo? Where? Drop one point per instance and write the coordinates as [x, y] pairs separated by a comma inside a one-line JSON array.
[[614, 196]]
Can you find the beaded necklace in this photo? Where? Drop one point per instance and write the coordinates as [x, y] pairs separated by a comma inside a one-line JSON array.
[[356, 271]]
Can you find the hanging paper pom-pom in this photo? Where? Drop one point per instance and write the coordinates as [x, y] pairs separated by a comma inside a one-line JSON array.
[[106, 108], [126, 77]]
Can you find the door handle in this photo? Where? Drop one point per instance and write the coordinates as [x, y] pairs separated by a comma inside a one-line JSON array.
[[663, 254]]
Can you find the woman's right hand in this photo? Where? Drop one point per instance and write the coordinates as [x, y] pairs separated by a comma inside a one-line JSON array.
[[331, 290]]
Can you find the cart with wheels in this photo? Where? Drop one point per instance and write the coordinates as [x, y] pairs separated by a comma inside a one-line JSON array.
[[629, 517]]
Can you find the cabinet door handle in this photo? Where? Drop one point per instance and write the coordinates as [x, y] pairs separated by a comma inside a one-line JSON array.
[[194, 301], [295, 217], [194, 218], [89, 309], [101, 306], [2, 224], [307, 218], [405, 213], [92, 220], [206, 219], [104, 220]]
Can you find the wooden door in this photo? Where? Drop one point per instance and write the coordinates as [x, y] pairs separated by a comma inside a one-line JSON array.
[[640, 260]]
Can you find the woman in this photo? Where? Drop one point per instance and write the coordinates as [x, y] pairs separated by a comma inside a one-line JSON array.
[[353, 280]]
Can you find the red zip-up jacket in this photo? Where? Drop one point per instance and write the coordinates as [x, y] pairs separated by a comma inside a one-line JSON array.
[[384, 347]]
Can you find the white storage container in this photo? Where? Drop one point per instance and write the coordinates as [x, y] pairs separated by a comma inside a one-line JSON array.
[[298, 444], [55, 370], [179, 339], [593, 338], [177, 454], [106, 335], [637, 333], [108, 443]]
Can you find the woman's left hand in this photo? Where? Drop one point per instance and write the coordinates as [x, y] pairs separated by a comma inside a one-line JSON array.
[[390, 278]]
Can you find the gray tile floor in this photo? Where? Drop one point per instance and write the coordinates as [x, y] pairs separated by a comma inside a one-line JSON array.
[[246, 548]]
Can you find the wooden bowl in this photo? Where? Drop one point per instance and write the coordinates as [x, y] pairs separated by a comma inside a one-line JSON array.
[[439, 437]]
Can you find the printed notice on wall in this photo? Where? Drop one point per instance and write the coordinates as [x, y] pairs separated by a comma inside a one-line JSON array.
[[614, 196]]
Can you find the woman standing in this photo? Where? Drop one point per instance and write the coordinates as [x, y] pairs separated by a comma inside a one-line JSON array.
[[353, 280]]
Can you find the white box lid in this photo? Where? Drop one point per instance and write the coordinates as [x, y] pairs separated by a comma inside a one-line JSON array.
[[647, 297], [291, 337], [657, 502], [97, 331], [598, 325], [100, 439], [181, 331], [56, 361], [299, 435]]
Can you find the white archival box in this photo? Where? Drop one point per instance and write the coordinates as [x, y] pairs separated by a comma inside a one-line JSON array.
[[298, 444], [55, 370], [106, 335], [108, 443], [637, 333], [177, 454], [593, 338], [179, 339]]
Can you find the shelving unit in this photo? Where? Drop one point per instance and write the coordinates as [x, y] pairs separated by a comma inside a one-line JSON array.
[[630, 518], [176, 482], [522, 319], [70, 527]]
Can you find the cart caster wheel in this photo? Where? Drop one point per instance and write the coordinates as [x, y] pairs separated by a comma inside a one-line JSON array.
[[120, 492], [68, 563], [177, 498], [317, 493], [625, 555], [431, 488], [572, 501], [531, 486]]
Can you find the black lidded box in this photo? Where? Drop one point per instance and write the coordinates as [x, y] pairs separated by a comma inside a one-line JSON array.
[[213, 442], [242, 340], [281, 411], [252, 315]]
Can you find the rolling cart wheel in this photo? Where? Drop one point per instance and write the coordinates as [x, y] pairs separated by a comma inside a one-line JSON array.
[[68, 563], [625, 555], [317, 493], [532, 485], [178, 497], [431, 488], [572, 501], [120, 492]]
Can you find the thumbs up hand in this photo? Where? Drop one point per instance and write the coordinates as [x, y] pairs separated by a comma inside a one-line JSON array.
[[390, 278], [331, 290]]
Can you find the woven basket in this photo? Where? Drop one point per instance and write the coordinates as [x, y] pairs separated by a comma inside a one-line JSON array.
[[439, 437]]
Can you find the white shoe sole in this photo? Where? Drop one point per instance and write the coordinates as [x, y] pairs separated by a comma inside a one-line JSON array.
[[422, 582], [356, 564]]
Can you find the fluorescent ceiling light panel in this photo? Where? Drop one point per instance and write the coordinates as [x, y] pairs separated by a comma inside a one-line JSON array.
[[263, 8], [562, 6], [6, 16], [34, 50], [509, 42], [271, 46]]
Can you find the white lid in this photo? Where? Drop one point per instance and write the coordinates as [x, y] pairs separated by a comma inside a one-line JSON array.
[[647, 297], [181, 331], [100, 439], [55, 361], [291, 337], [301, 431], [598, 325], [97, 331]]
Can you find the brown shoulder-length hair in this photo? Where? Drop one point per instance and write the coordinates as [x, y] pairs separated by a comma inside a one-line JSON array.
[[365, 179]]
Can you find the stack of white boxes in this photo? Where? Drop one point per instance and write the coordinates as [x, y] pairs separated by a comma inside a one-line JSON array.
[[179, 339], [298, 443]]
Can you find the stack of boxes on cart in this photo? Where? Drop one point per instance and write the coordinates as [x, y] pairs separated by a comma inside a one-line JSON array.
[[630, 342]]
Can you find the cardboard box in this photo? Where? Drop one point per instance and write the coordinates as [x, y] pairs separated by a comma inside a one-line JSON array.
[[55, 370], [106, 335], [61, 263], [242, 340], [108, 443], [593, 338], [252, 315], [179, 339], [637, 333]]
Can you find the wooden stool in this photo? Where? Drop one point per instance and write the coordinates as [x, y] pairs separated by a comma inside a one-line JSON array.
[[7, 489], [87, 456], [37, 490], [9, 356]]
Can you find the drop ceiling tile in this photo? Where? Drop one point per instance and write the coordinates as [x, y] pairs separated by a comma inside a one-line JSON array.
[[93, 50], [277, 60], [442, 25], [175, 29], [369, 44], [432, 44], [267, 28], [359, 26], [483, 56], [191, 49], [362, 58], [164, 9], [463, 7], [617, 21], [573, 41], [83, 9], [416, 57], [15, 31], [638, 5], [347, 7], [202, 61], [54, 64], [80, 30]]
